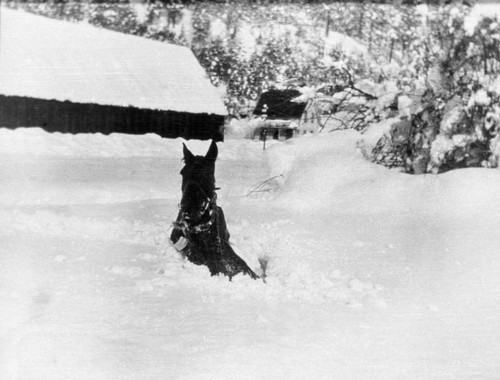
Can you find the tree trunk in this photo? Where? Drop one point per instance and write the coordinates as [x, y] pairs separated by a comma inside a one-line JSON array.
[[328, 20], [361, 19], [391, 50], [485, 58]]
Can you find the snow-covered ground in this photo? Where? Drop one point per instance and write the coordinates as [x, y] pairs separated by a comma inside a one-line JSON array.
[[372, 274]]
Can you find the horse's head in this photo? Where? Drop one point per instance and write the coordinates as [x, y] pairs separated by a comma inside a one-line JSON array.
[[198, 183]]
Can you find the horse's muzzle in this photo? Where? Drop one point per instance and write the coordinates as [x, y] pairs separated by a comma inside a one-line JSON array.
[[194, 203], [192, 216], [195, 213]]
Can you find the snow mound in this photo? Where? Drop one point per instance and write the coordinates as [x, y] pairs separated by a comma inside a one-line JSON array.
[[37, 142], [315, 168], [328, 174]]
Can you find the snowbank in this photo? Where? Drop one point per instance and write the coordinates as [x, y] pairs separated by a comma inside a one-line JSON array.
[[93, 170], [371, 273], [328, 174], [37, 142]]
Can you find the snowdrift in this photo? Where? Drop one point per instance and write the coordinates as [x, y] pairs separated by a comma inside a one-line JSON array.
[[372, 273]]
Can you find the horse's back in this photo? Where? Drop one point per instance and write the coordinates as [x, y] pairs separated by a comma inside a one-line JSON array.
[[222, 226]]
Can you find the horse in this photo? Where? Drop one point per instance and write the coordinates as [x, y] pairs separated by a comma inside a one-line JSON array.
[[200, 232]]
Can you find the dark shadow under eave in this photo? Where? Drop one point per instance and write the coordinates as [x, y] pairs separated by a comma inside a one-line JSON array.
[[69, 117]]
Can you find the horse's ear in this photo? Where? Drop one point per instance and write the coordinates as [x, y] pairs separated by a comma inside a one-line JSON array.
[[212, 151], [187, 153]]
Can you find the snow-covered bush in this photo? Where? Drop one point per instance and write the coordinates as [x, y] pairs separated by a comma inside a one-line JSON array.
[[442, 135], [455, 123], [468, 128], [376, 144], [484, 110]]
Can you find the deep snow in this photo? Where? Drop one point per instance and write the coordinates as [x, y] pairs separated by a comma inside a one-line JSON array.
[[373, 274]]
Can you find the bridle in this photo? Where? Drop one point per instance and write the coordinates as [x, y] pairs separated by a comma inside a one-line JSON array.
[[206, 219]]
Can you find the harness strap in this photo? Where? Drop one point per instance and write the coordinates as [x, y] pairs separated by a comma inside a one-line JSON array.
[[209, 209]]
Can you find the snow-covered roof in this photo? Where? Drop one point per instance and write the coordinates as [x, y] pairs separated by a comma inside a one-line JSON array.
[[51, 59]]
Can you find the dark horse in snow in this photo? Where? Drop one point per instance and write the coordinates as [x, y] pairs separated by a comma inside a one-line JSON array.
[[200, 232]]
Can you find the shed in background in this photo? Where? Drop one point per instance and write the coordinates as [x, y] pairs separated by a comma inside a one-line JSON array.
[[75, 78], [280, 115]]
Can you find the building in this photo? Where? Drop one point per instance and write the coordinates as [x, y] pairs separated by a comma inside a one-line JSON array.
[[75, 78], [279, 114]]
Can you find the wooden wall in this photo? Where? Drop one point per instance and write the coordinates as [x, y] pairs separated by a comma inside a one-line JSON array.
[[67, 117]]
